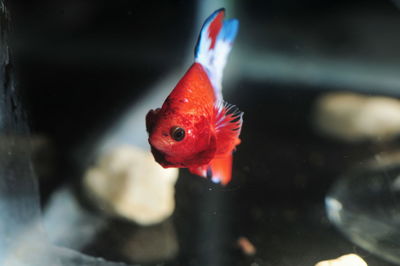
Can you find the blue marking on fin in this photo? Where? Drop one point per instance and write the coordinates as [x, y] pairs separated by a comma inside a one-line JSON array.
[[229, 30], [213, 47]]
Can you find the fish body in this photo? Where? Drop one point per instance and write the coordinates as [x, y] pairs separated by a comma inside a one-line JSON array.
[[195, 128]]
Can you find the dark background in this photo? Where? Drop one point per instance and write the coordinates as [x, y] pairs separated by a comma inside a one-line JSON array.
[[80, 64]]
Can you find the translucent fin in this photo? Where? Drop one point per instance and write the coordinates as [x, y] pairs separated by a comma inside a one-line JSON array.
[[228, 120]]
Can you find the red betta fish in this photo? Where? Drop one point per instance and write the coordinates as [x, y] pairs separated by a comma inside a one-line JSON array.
[[195, 128]]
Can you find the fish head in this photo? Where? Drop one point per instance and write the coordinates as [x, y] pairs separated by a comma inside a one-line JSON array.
[[180, 140]]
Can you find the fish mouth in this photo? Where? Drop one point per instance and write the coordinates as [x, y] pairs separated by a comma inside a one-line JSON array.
[[160, 158]]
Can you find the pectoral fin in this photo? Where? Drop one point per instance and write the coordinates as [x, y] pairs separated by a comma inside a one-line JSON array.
[[228, 124]]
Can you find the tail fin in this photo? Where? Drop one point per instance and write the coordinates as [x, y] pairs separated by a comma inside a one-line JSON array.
[[214, 44]]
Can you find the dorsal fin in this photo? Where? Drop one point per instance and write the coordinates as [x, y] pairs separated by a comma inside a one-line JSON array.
[[214, 44]]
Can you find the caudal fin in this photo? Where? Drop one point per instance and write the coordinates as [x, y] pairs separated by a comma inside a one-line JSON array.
[[214, 44]]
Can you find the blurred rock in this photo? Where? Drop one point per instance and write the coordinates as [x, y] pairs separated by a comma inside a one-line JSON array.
[[120, 240], [67, 223], [346, 260], [246, 246], [356, 117], [151, 244], [128, 183]]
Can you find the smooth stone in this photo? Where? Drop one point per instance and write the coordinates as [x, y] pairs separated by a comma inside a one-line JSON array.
[[128, 183], [345, 260], [357, 117], [151, 244]]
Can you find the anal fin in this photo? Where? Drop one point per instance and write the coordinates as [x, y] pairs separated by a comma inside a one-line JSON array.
[[221, 169], [199, 170]]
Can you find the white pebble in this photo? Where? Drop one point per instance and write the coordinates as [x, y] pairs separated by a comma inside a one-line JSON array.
[[355, 117], [346, 260], [127, 182]]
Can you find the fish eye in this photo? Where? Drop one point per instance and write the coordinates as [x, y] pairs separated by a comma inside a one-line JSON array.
[[177, 133]]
